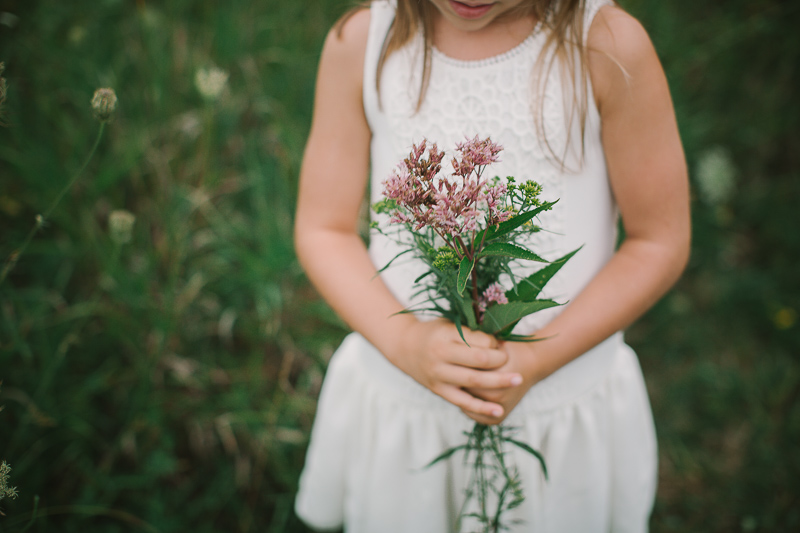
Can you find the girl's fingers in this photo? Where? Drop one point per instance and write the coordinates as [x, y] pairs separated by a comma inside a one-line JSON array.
[[469, 378], [469, 403], [480, 358], [483, 419], [478, 339]]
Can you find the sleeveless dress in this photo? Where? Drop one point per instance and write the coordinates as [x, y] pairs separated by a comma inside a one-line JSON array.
[[376, 428]]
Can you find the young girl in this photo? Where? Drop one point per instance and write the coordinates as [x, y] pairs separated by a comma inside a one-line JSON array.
[[573, 91]]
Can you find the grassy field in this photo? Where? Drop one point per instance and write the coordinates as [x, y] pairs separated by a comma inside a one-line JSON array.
[[167, 383]]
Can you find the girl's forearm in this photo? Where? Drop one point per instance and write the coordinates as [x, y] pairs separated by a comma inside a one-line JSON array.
[[430, 352], [631, 282], [338, 265]]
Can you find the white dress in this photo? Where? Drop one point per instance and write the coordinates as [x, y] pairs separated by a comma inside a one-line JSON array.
[[376, 428]]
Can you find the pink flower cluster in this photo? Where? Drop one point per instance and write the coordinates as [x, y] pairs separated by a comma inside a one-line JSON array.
[[450, 205], [475, 153], [494, 293]]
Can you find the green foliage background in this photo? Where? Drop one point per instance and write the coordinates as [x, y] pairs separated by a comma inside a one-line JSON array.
[[168, 384]]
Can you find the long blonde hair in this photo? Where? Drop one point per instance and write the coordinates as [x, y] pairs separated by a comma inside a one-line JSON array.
[[563, 22]]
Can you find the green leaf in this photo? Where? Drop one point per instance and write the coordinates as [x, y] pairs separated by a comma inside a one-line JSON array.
[[528, 289], [392, 260], [423, 276], [457, 322], [506, 249], [447, 453], [465, 305], [530, 451], [513, 337], [464, 270], [414, 310], [385, 206], [511, 224], [498, 317]]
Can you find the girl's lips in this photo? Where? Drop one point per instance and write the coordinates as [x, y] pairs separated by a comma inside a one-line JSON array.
[[470, 12]]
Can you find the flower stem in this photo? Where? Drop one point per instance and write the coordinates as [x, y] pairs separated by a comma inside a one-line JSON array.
[[475, 295], [41, 219], [460, 241], [454, 245]]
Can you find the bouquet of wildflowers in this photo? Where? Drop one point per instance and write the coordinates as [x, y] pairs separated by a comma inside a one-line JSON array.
[[469, 231]]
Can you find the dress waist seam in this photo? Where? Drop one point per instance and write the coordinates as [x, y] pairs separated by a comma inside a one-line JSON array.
[[565, 385]]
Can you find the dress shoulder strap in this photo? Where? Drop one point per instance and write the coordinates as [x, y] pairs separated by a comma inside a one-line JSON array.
[[381, 17], [589, 12]]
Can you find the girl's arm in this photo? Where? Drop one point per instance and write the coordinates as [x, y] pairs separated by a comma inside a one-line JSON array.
[[648, 176], [333, 181]]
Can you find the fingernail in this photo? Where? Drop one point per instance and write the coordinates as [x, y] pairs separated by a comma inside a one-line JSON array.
[[497, 412], [516, 380]]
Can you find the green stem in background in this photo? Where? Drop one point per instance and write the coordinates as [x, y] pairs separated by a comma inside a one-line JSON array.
[[205, 150], [33, 513], [41, 219], [94, 301]]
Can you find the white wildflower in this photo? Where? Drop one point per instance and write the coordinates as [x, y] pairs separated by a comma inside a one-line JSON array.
[[715, 175], [189, 125], [120, 226], [210, 82]]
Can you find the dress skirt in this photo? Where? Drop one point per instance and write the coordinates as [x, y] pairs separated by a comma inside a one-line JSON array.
[[376, 429]]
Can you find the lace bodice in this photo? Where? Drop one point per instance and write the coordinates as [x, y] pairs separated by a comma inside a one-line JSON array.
[[494, 97]]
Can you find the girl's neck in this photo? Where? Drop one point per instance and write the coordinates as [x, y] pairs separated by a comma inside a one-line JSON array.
[[495, 39]]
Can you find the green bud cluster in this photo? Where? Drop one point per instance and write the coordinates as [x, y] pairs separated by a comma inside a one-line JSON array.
[[446, 259], [387, 206], [531, 191]]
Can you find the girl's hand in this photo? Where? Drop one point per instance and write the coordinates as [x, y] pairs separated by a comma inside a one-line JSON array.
[[434, 354], [521, 360]]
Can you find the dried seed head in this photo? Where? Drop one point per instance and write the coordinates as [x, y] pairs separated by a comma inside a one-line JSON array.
[[210, 82], [104, 102], [120, 226], [6, 491]]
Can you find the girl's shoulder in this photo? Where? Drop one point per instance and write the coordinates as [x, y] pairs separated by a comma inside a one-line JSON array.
[[619, 50], [352, 28], [345, 45], [614, 30]]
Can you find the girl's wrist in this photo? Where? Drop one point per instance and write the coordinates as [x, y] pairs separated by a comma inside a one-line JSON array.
[[535, 360], [395, 337]]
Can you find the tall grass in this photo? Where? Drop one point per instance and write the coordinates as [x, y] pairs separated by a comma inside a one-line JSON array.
[[721, 352], [168, 383]]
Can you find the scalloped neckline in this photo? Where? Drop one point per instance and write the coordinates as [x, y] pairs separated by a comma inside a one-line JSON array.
[[492, 60]]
